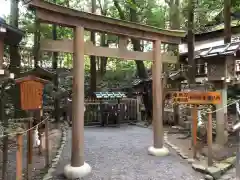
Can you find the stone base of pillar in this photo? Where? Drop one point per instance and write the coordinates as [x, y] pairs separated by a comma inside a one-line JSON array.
[[77, 172], [158, 151]]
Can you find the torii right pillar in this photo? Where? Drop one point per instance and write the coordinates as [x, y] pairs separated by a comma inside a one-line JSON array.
[[157, 149]]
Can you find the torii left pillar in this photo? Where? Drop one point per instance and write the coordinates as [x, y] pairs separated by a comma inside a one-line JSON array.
[[157, 87], [78, 168]]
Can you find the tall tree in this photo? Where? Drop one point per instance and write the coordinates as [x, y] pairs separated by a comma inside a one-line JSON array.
[[15, 61], [93, 80], [190, 41], [55, 66], [14, 54], [142, 73], [103, 60], [227, 21]]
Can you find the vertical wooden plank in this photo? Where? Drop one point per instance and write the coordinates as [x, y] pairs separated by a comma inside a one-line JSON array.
[[1, 52], [77, 158], [209, 134], [47, 155], [157, 95], [164, 82], [19, 155], [139, 117], [194, 131], [30, 149], [123, 42], [4, 140]]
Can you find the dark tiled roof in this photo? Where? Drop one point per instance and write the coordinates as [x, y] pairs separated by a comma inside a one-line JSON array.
[[226, 49], [220, 50], [14, 35]]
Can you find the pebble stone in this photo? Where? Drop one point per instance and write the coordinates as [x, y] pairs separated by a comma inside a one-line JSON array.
[[121, 153]]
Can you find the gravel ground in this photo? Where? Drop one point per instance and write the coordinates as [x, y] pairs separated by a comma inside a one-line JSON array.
[[121, 154]]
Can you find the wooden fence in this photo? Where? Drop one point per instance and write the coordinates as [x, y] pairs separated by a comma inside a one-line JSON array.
[[21, 159], [95, 111]]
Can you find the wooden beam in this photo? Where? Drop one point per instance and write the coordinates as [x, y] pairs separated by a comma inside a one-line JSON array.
[[51, 13], [90, 49]]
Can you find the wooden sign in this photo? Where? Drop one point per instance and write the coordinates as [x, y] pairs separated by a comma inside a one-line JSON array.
[[31, 91], [197, 97]]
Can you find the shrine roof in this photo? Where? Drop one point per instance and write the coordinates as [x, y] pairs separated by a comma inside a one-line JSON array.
[[109, 95], [13, 35], [40, 72], [171, 75], [212, 34], [52, 13], [220, 50]]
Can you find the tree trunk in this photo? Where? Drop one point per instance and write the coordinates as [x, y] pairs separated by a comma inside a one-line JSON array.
[[14, 54], [142, 73], [55, 66], [93, 80], [227, 21], [103, 62], [190, 40], [174, 15], [15, 61], [36, 42]]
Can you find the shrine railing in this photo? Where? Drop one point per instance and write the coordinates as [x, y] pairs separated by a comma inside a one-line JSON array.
[[93, 114]]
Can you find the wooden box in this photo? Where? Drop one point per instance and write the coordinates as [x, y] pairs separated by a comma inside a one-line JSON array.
[[31, 91]]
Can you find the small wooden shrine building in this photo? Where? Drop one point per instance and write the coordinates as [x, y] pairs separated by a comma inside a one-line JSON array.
[[219, 65], [8, 36]]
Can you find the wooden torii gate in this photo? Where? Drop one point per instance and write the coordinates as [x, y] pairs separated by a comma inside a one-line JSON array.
[[79, 21]]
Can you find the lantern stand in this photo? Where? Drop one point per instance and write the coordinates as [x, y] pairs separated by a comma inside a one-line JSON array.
[[31, 93]]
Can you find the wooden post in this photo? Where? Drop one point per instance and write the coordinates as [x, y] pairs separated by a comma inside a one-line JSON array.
[[30, 149], [19, 155], [5, 140], [40, 149], [157, 96], [139, 116], [164, 82], [77, 158], [194, 131], [210, 158], [1, 52], [47, 155]]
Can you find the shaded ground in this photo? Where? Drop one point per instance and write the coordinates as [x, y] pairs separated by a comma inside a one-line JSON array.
[[38, 160], [121, 153], [219, 153]]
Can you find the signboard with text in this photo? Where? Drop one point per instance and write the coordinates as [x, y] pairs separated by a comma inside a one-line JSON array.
[[196, 97]]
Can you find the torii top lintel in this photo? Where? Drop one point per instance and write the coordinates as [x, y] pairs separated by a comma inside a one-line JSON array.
[[51, 13]]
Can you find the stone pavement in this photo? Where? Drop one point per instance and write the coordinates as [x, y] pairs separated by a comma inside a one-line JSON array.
[[121, 153], [229, 175]]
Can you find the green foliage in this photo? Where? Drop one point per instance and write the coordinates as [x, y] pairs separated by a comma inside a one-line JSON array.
[[150, 12]]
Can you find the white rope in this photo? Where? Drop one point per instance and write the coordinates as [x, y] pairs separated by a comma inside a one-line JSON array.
[[238, 108], [23, 132]]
